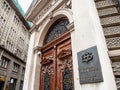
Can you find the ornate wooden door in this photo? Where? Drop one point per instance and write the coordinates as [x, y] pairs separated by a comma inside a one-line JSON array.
[[56, 69]]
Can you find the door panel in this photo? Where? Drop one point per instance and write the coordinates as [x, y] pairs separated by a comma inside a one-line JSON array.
[[64, 66], [47, 71], [56, 70]]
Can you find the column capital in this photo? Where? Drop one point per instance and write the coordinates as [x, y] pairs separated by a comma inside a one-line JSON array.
[[37, 49]]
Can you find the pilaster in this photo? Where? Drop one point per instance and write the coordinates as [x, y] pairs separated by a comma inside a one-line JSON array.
[[8, 76], [88, 32], [29, 64]]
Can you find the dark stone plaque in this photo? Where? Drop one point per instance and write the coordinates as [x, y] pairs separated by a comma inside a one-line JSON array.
[[89, 66]]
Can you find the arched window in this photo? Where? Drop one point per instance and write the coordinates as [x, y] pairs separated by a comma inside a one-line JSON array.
[[57, 29]]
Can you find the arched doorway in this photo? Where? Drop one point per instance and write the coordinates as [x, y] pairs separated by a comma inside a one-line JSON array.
[[56, 63]]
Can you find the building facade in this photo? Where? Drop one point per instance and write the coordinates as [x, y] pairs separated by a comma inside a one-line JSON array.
[[74, 45], [14, 40]]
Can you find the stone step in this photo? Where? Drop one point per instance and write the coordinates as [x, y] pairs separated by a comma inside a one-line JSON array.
[[110, 21], [105, 4], [111, 11]]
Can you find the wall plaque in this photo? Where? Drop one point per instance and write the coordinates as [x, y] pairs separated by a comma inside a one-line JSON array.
[[89, 66]]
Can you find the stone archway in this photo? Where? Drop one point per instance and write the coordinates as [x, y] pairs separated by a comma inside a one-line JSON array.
[[37, 38], [55, 16]]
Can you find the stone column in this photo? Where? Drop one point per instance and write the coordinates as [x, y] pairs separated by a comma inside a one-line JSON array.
[[8, 75], [29, 64], [19, 78], [1, 53], [88, 32], [36, 69]]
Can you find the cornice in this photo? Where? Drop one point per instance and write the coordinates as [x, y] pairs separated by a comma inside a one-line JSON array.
[[35, 8]]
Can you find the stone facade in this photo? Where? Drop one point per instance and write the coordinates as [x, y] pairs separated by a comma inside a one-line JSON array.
[[93, 22], [108, 11], [14, 42]]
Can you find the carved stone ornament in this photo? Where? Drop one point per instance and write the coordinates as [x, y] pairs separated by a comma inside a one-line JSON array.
[[68, 4], [37, 49], [87, 57]]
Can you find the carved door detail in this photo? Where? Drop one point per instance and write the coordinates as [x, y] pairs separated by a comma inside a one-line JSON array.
[[56, 69]]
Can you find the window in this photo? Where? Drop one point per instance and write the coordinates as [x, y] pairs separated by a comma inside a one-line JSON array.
[[56, 30], [4, 62], [16, 67], [16, 20], [21, 85], [5, 7], [3, 4], [19, 52], [2, 21], [13, 83], [9, 45], [23, 71], [21, 41]]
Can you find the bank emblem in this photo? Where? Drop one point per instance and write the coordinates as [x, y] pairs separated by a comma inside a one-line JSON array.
[[87, 57]]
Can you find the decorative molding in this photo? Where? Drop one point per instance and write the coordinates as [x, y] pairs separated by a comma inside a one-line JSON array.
[[113, 43], [47, 60], [110, 31], [50, 7], [50, 15], [69, 4], [45, 9], [118, 82], [37, 49], [70, 26], [64, 54], [116, 68], [66, 63]]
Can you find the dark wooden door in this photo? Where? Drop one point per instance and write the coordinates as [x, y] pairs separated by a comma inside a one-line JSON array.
[[56, 69]]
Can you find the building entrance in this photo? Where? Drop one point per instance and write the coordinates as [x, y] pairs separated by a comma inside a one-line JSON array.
[[1, 85], [56, 69]]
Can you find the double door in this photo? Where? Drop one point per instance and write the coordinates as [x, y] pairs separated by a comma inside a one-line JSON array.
[[56, 69]]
